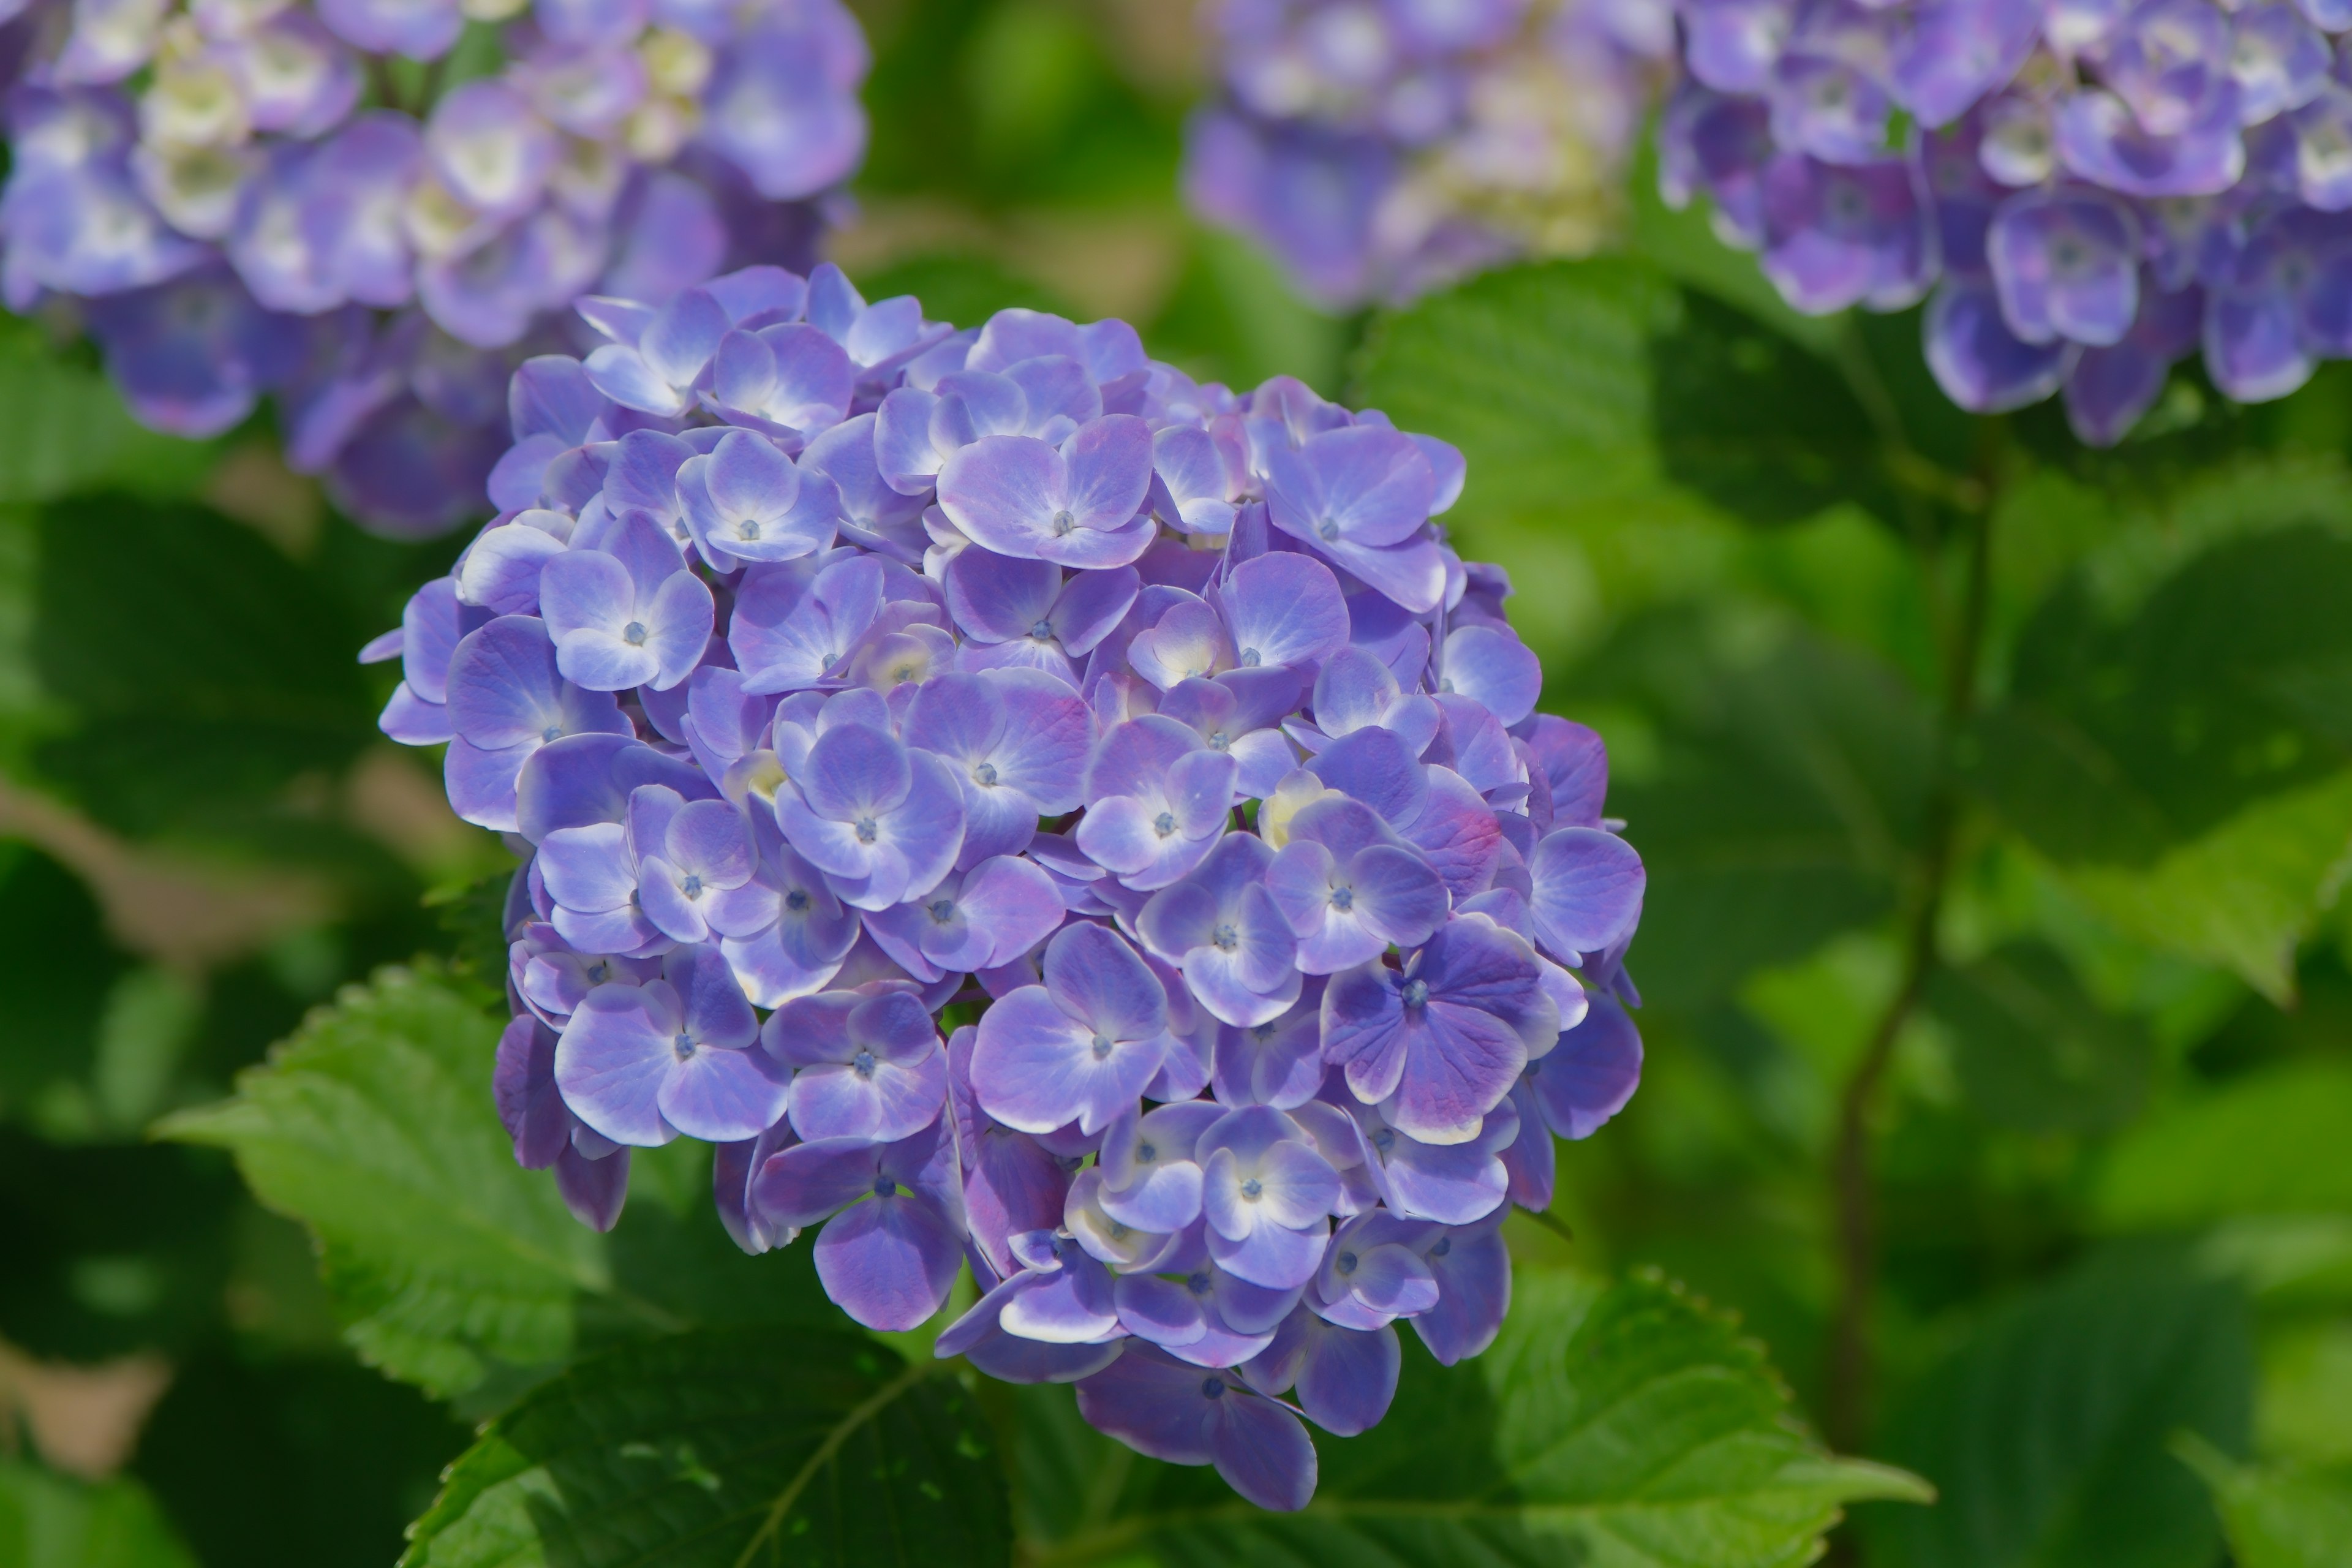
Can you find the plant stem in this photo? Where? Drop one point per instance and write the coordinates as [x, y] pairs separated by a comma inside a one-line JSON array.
[[1851, 1370]]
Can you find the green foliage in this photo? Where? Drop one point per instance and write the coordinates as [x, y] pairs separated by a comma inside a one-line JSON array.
[[2034, 1052], [58, 961], [291, 1461], [201, 683], [2122, 738], [1540, 374], [1629, 1426], [372, 1126], [2273, 1143], [1788, 782], [2278, 1516], [50, 1522], [63, 430], [728, 1449], [2045, 1432]]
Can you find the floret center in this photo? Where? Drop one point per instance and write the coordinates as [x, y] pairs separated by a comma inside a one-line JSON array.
[[1344, 899], [862, 1064], [1102, 1046], [1164, 823], [1064, 521], [867, 830], [985, 775], [683, 1046], [634, 634]]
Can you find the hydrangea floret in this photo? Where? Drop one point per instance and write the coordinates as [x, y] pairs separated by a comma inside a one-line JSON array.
[[2085, 191], [1382, 148], [375, 209], [1040, 815]]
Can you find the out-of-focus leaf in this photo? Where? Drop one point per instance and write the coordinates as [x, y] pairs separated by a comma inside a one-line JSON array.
[[63, 429], [2031, 1050], [965, 286], [49, 1521], [2233, 681], [2278, 1516], [1630, 1426], [721, 1448], [298, 1463], [1233, 317], [111, 1248], [2243, 895], [1760, 426], [373, 1126], [1789, 786], [2045, 1432], [204, 678], [56, 964], [2275, 1142]]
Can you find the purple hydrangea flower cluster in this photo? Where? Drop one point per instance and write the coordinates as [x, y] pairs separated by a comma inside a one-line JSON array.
[[1385, 147], [377, 209], [2085, 191], [1129, 815]]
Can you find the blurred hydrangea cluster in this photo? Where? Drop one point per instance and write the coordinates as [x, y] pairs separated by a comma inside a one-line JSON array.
[[373, 209], [1384, 147], [2089, 188], [1146, 740]]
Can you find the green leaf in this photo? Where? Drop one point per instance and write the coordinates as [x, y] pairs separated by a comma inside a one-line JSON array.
[[292, 1462], [2277, 1516], [63, 429], [1624, 1427], [724, 1449], [2232, 681], [2032, 1051], [56, 964], [373, 1126], [1540, 374], [47, 1520], [1788, 789], [2045, 1431], [1582, 385], [2273, 1143], [457, 1269], [201, 683], [2245, 895]]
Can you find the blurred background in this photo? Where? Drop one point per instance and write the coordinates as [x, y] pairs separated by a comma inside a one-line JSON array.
[[2104, 1151]]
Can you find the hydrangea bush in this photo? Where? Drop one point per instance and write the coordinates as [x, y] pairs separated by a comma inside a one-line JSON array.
[[1384, 147], [1032, 812], [375, 209], [2085, 191]]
